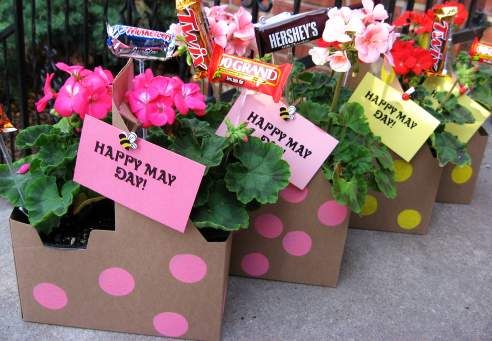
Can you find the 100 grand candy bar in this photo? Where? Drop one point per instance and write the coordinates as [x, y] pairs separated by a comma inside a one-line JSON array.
[[287, 30], [247, 73]]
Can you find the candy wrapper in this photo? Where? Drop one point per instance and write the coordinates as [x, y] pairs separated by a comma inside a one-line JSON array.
[[251, 74], [287, 30], [195, 28], [443, 21], [481, 51], [5, 125], [140, 43]]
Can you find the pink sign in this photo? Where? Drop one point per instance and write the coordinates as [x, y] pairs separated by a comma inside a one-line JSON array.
[[151, 180], [305, 145]]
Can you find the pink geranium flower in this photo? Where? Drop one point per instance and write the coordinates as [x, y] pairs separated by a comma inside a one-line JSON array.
[[24, 168], [49, 93], [76, 71], [233, 32], [72, 98], [341, 22], [373, 13], [153, 99], [190, 98], [339, 61], [373, 42]]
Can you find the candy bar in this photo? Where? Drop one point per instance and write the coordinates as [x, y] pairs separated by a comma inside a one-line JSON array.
[[481, 51], [267, 78], [287, 30], [195, 27], [5, 125], [140, 43], [443, 19]]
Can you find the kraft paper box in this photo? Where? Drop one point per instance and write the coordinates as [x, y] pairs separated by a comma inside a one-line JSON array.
[[141, 278], [458, 183], [410, 212], [299, 239]]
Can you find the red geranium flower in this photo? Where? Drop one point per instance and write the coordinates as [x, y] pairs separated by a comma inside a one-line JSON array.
[[410, 58], [420, 22]]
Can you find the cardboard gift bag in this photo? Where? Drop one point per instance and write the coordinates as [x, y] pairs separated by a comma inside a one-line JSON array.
[[458, 183], [300, 239], [410, 212], [141, 278]]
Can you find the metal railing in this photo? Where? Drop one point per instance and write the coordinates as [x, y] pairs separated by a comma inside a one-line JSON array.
[[27, 56]]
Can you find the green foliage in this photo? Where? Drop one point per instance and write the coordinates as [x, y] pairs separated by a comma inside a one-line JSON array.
[[449, 149], [47, 188], [259, 174], [222, 210], [360, 161], [445, 107], [253, 171]]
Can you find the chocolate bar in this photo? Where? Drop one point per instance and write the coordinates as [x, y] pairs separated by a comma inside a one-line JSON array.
[[287, 30]]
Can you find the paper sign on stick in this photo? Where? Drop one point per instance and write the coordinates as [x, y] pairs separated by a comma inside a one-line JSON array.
[[464, 132], [402, 125], [150, 180], [305, 145]]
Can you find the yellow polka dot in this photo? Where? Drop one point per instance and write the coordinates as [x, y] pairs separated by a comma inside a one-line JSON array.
[[403, 170], [370, 205], [409, 219], [461, 174]]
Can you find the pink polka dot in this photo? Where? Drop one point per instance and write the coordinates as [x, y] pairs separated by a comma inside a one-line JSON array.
[[297, 243], [50, 296], [255, 264], [116, 281], [268, 225], [188, 268], [170, 324], [293, 194], [332, 213]]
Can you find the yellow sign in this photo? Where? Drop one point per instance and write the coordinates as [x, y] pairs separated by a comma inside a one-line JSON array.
[[464, 132], [402, 125]]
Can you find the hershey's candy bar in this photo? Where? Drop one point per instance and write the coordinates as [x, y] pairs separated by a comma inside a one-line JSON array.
[[287, 30]]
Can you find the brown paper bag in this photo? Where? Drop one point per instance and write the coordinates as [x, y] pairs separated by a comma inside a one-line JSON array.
[[458, 183], [141, 278], [411, 210], [300, 239]]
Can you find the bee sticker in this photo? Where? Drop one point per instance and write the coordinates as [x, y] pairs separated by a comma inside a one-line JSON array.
[[127, 140], [287, 114]]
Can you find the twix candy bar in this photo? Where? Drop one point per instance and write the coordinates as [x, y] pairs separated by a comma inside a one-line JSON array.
[[481, 51], [247, 73], [287, 30], [194, 27], [443, 20]]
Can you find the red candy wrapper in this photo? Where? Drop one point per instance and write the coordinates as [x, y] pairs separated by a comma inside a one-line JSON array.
[[194, 27], [443, 20], [246, 73], [481, 51]]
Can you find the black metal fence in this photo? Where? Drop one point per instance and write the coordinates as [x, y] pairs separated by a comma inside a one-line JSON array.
[[44, 31]]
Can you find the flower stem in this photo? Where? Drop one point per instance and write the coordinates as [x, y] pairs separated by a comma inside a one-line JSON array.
[[338, 89]]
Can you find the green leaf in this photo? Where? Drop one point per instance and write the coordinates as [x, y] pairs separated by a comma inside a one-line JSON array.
[[385, 180], [207, 150], [315, 112], [449, 149], [352, 117], [56, 152], [45, 204], [454, 112], [222, 211], [10, 183], [197, 127], [216, 112], [157, 136], [350, 192], [27, 138], [483, 95], [260, 173]]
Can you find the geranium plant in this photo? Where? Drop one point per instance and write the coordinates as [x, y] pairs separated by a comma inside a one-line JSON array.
[[42, 185], [241, 170], [359, 162]]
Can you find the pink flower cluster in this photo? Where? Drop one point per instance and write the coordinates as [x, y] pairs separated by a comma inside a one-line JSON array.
[[85, 92], [154, 99], [232, 31], [360, 30]]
